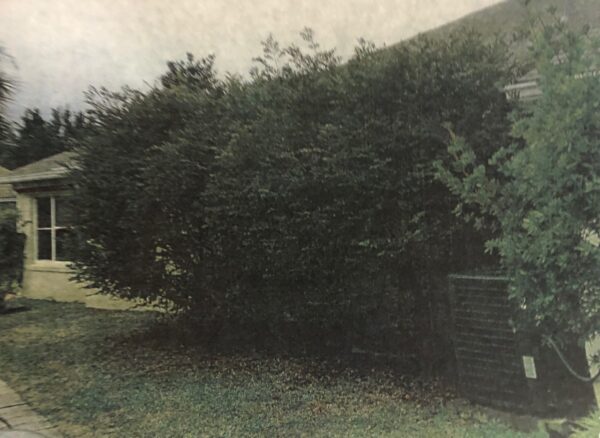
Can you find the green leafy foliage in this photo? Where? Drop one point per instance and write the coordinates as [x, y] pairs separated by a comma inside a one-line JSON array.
[[121, 191], [11, 251], [539, 194], [304, 196], [589, 427], [35, 137]]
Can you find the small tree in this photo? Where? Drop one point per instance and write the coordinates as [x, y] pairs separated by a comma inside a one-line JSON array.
[[541, 194]]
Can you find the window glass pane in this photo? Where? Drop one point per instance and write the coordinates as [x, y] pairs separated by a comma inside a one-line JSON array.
[[64, 214], [64, 245], [43, 212], [44, 245]]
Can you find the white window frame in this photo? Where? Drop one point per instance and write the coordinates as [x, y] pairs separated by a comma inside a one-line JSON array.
[[53, 228]]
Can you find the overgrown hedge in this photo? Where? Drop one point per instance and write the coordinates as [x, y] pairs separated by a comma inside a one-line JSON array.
[[305, 195]]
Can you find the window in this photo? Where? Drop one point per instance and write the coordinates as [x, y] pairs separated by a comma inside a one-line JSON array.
[[53, 222]]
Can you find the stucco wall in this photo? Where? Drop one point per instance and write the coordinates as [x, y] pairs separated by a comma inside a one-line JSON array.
[[50, 280], [47, 282]]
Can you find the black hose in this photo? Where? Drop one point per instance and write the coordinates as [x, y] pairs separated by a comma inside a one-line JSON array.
[[568, 366]]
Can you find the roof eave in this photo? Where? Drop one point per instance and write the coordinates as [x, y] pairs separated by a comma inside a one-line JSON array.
[[524, 91], [52, 174]]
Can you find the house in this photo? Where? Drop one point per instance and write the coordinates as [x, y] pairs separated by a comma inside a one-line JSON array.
[[41, 190]]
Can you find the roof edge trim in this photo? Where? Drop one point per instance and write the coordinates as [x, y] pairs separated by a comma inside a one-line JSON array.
[[52, 174]]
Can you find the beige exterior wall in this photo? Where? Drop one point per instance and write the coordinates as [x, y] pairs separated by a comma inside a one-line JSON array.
[[592, 347], [50, 280]]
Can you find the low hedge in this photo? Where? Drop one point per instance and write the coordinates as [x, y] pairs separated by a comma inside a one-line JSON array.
[[11, 252]]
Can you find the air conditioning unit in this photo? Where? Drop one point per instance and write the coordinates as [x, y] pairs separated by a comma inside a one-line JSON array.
[[503, 368]]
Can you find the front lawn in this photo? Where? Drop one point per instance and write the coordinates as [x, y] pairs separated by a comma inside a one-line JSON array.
[[103, 373]]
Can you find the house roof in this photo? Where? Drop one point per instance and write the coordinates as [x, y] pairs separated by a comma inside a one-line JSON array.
[[509, 16], [56, 166]]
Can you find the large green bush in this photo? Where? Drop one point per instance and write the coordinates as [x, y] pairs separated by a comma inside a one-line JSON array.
[[304, 195], [121, 209], [11, 251]]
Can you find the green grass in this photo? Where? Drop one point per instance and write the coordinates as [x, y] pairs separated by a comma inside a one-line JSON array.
[[590, 426], [103, 373]]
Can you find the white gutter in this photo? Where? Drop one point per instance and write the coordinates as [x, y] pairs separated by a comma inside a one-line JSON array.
[[529, 90], [521, 85]]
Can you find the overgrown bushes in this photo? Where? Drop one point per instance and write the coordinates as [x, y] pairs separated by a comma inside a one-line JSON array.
[[305, 195], [11, 251]]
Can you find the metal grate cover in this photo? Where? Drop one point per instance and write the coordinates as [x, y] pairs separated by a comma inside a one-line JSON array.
[[490, 354]]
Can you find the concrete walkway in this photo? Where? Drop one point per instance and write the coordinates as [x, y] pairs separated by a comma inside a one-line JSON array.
[[18, 420]]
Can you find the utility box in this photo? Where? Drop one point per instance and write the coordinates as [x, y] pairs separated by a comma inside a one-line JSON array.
[[502, 368]]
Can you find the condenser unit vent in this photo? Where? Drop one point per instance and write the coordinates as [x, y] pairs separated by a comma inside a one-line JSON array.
[[503, 368]]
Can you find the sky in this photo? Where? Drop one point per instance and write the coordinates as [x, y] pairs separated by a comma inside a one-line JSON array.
[[58, 48]]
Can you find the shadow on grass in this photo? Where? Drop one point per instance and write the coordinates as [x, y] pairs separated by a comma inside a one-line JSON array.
[[95, 372], [317, 354], [13, 309], [136, 345]]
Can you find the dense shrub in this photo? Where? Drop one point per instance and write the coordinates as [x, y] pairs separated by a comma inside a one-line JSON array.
[[305, 195], [11, 251], [120, 226]]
